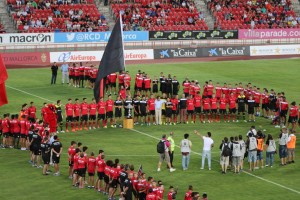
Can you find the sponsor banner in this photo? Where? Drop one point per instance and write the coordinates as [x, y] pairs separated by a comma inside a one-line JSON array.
[[225, 51], [78, 37], [177, 53], [268, 33], [27, 38], [201, 52], [270, 50], [95, 56], [192, 35], [26, 58]]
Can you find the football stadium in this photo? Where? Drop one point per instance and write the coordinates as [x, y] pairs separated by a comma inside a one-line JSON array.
[[149, 99]]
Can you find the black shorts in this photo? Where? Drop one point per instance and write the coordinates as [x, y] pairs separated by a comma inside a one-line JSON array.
[[109, 115], [206, 111], [101, 116], [81, 77], [92, 80], [121, 84], [250, 111], [143, 113], [128, 88], [71, 76], [272, 106], [69, 118], [76, 118], [59, 118], [175, 112], [151, 112], [71, 163], [11, 134], [283, 113], [36, 151], [213, 111], [101, 175], [293, 119], [46, 159], [197, 110], [241, 109], [209, 96], [6, 134], [118, 113], [256, 105], [81, 172], [147, 89], [265, 106], [91, 173], [139, 88], [55, 159], [86, 77], [113, 84], [136, 114], [113, 183], [232, 110], [163, 112], [190, 112], [84, 117], [106, 179], [76, 78], [154, 89], [17, 135], [22, 135], [168, 113], [75, 171], [92, 117], [222, 111]]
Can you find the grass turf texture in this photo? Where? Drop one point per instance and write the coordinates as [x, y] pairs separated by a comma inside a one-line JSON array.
[[23, 181]]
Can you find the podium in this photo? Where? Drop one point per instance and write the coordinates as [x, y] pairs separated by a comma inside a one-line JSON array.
[[128, 123]]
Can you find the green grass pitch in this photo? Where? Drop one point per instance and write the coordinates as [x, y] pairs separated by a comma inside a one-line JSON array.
[[138, 146]]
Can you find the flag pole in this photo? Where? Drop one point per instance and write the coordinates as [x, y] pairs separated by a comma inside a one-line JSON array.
[[121, 23]]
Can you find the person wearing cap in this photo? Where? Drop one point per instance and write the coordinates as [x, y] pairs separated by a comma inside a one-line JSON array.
[[185, 147], [172, 147], [165, 156]]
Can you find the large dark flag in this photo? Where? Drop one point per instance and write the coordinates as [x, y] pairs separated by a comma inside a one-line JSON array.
[[112, 60], [3, 77]]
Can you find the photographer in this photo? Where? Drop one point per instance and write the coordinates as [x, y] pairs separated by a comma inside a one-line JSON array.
[[225, 154]]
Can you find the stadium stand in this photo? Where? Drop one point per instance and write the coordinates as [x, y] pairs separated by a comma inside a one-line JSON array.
[[1, 28], [57, 16], [159, 15], [254, 14]]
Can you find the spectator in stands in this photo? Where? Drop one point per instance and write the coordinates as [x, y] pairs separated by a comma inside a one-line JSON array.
[[18, 2], [218, 7], [201, 16]]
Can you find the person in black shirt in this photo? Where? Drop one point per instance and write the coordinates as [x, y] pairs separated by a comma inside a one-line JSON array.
[[45, 150], [169, 107], [175, 85], [251, 106], [35, 146], [54, 69], [155, 85], [56, 149], [163, 85], [127, 188], [241, 101], [136, 109], [182, 108], [59, 115], [118, 111], [143, 110], [169, 86], [123, 176]]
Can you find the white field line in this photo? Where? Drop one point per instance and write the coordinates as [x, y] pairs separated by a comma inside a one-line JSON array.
[[263, 179]]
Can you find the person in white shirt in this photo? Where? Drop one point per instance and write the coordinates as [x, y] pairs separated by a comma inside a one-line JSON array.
[[207, 145], [185, 147], [158, 107]]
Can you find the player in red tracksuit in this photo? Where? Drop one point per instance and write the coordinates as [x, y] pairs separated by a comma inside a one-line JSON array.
[[69, 115], [232, 107], [101, 107], [92, 114], [147, 84], [76, 111], [91, 168], [213, 108], [151, 109], [293, 116], [190, 109], [84, 109], [109, 111], [113, 82]]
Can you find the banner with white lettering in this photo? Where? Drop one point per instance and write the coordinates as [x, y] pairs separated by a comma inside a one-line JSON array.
[[94, 56], [26, 38]]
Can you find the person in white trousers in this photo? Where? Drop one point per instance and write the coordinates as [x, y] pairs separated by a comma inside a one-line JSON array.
[[65, 73]]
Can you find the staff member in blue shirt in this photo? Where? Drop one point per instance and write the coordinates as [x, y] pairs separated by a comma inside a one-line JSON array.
[[65, 72]]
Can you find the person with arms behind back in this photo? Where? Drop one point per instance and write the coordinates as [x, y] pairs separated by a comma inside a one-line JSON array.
[[54, 69]]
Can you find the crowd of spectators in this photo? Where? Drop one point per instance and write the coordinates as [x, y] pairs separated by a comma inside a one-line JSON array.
[[255, 14], [57, 15], [160, 15]]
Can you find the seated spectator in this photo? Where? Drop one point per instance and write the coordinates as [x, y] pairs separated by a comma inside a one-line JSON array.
[[218, 7], [19, 2], [294, 22], [38, 23], [201, 16], [48, 4], [191, 20], [183, 4]]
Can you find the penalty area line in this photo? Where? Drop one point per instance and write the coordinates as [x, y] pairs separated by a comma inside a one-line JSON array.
[[260, 178]]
